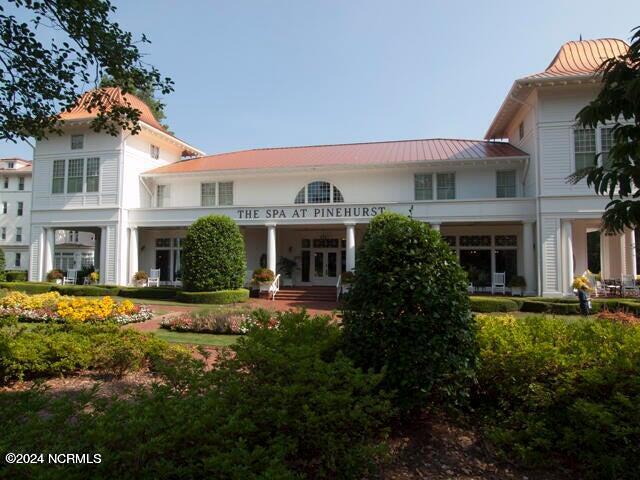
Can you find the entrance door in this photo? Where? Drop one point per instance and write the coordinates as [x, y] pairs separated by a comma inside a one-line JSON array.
[[163, 260], [325, 267]]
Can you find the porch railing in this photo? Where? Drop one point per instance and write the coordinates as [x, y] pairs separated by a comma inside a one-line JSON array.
[[274, 287]]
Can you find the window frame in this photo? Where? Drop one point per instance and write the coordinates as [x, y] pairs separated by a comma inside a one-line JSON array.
[[576, 139], [6, 182], [21, 183], [415, 186], [209, 195], [5, 208], [228, 200], [58, 177], [78, 175], [74, 146], [162, 201], [154, 151], [3, 233], [439, 189], [93, 162], [334, 194], [17, 259], [20, 209], [514, 172], [19, 234]]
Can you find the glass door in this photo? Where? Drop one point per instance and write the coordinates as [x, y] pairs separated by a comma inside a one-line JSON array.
[[325, 267]]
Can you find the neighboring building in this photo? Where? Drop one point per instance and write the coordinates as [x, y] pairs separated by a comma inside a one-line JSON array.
[[501, 203], [15, 222]]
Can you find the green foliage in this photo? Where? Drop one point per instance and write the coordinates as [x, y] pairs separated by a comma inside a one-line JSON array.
[[213, 256], [550, 389], [407, 312], [15, 276], [53, 349], [151, 293], [493, 304], [27, 287], [617, 101], [55, 274], [43, 70], [219, 297], [3, 274], [86, 290], [286, 405]]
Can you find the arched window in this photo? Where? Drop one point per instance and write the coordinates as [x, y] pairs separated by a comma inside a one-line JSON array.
[[319, 192]]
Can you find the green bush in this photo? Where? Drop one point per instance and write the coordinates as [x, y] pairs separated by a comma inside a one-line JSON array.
[[286, 405], [219, 297], [86, 290], [213, 256], [550, 389], [16, 275], [492, 304], [408, 314], [535, 306], [3, 276], [27, 287], [150, 293], [54, 349]]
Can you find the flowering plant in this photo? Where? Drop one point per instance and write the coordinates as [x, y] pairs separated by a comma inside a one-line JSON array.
[[262, 275]]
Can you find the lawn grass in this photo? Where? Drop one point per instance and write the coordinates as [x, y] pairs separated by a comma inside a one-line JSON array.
[[207, 339]]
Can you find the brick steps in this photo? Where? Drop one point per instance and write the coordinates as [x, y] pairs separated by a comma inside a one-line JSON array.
[[307, 294]]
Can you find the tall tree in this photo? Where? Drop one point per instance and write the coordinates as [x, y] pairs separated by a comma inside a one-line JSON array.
[[619, 103], [39, 78]]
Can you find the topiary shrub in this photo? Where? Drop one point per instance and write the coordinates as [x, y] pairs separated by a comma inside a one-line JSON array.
[[16, 275], [535, 306], [490, 304], [213, 256], [219, 297], [408, 314], [3, 275]]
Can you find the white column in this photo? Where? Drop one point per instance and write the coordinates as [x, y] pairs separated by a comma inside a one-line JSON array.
[[133, 253], [604, 256], [103, 255], [528, 257], [351, 247], [49, 250], [435, 226], [632, 268], [566, 235], [271, 246]]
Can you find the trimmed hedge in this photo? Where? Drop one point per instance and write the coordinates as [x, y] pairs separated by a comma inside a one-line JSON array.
[[28, 287], [492, 304], [2, 272], [86, 290], [152, 293], [16, 275], [219, 297]]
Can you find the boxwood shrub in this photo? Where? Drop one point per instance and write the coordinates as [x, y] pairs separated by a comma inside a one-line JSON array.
[[213, 256], [3, 276], [550, 390], [408, 315], [16, 275], [28, 287], [86, 290], [493, 304], [219, 297], [151, 293]]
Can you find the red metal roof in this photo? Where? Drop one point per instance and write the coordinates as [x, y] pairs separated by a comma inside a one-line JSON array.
[[581, 58], [113, 96], [375, 153]]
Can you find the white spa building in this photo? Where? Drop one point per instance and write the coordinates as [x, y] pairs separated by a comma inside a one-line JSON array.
[[502, 203]]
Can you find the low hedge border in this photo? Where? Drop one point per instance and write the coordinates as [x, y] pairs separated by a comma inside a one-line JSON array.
[[493, 304], [219, 297], [149, 293], [16, 275]]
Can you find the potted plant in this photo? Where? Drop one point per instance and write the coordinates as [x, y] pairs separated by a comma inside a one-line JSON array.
[[56, 275], [517, 285], [263, 278], [94, 277], [140, 278], [287, 267]]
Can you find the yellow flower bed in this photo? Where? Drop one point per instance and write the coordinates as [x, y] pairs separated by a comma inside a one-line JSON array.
[[30, 302], [79, 309], [82, 309]]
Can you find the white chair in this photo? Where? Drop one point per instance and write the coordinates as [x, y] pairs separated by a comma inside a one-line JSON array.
[[498, 283], [470, 288], [271, 288], [629, 285], [154, 278], [71, 278]]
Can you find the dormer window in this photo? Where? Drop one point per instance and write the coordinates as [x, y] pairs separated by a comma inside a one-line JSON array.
[[319, 192], [11, 165], [155, 152], [77, 142]]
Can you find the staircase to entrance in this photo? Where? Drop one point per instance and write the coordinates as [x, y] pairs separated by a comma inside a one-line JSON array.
[[311, 295]]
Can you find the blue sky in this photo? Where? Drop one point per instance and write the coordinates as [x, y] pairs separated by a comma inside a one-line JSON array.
[[280, 73]]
